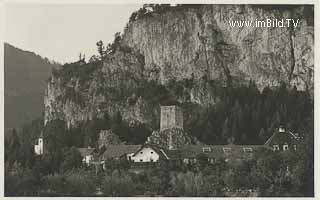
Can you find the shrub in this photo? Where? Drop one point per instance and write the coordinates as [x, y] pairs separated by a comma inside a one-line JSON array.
[[118, 184]]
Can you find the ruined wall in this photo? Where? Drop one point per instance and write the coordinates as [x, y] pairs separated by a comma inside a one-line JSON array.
[[171, 117]]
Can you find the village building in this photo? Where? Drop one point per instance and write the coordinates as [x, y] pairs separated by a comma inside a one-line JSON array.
[[117, 152], [283, 140], [38, 147], [212, 153], [87, 155], [149, 153]]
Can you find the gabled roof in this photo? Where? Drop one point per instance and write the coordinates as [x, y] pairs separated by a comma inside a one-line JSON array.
[[281, 138], [161, 152], [116, 151], [86, 151]]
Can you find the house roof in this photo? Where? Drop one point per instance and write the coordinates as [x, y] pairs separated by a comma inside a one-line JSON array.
[[86, 151], [116, 151], [281, 138], [215, 151], [161, 152]]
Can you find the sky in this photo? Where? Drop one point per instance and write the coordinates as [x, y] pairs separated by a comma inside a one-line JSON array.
[[61, 31]]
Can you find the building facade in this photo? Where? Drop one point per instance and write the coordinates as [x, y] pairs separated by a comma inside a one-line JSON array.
[[148, 154], [283, 140], [38, 147]]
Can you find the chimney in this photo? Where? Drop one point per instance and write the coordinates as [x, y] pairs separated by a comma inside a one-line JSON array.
[[282, 129]]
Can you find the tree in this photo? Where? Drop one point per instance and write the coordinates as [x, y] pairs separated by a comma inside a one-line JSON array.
[[20, 182], [101, 50], [12, 147], [188, 184], [72, 159], [263, 135], [54, 142], [226, 130], [118, 185]]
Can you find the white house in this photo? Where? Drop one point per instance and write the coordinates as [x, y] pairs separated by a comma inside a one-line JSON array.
[[148, 153], [87, 155]]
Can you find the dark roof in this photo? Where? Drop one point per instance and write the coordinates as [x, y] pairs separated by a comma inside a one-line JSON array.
[[281, 138], [85, 151], [116, 151], [173, 154], [215, 151]]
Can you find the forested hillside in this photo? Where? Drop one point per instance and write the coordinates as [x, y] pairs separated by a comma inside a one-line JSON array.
[[25, 77]]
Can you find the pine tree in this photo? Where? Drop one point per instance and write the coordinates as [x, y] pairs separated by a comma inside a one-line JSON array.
[[226, 130]]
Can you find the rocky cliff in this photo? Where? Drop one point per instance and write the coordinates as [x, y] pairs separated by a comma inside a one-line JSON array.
[[192, 45], [200, 42]]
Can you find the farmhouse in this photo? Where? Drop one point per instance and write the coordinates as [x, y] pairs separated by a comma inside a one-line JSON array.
[[283, 140], [212, 153], [117, 152], [87, 155], [149, 153]]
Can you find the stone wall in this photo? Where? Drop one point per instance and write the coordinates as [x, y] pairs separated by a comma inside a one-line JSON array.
[[171, 117]]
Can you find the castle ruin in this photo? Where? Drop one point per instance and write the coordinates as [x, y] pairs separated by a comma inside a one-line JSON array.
[[171, 117]]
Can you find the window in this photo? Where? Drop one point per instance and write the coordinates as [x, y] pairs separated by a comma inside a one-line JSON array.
[[285, 147], [141, 152], [247, 149], [206, 149], [226, 150], [151, 160], [276, 147], [141, 160], [151, 152]]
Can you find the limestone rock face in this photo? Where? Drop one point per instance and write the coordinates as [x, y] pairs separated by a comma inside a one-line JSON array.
[[173, 138], [200, 42], [110, 88]]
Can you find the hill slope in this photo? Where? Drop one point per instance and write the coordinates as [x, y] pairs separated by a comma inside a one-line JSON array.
[[25, 76]]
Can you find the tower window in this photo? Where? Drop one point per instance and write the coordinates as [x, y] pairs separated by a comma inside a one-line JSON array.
[[276, 147], [285, 147]]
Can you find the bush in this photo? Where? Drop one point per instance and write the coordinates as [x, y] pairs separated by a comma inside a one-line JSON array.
[[20, 182], [118, 184], [80, 183]]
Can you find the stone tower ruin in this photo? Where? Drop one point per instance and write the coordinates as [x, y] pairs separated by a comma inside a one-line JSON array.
[[171, 117]]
